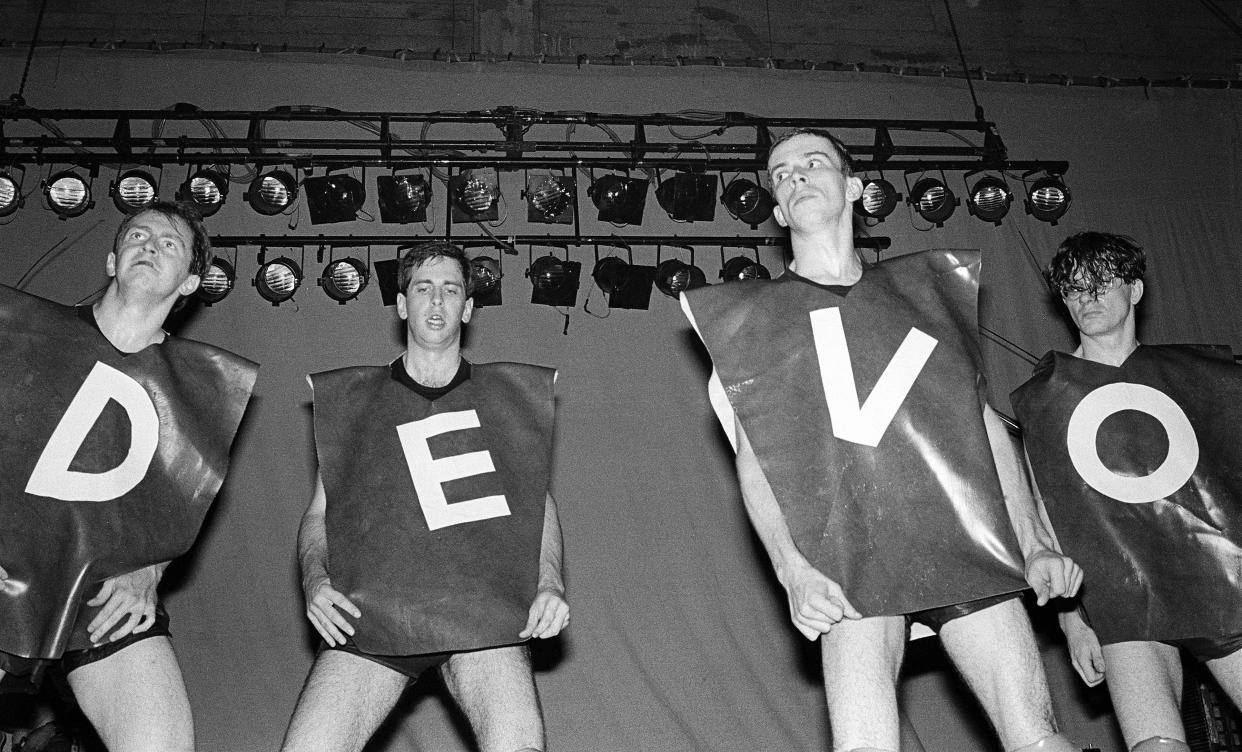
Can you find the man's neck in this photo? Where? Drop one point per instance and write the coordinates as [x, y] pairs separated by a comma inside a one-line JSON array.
[[130, 325], [1109, 349], [826, 257], [432, 368]]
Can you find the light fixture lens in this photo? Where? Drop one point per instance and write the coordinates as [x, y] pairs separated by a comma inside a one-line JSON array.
[[741, 268], [134, 191], [344, 279], [217, 282], [673, 277], [485, 275], [1048, 199], [477, 196], [10, 195], [67, 194], [206, 189], [878, 199], [403, 198], [278, 280], [272, 192], [990, 199], [747, 201], [618, 199], [550, 198], [933, 200]]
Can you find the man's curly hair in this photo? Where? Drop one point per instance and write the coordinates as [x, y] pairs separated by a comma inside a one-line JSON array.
[[1088, 261]]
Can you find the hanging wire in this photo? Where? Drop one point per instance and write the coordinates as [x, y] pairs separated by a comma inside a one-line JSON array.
[[962, 55], [1222, 16], [34, 41]]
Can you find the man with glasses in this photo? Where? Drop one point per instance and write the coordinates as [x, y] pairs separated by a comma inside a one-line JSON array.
[[1134, 449]]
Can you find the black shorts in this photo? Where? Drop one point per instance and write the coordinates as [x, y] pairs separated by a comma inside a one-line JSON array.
[[1204, 649], [26, 674], [412, 666], [936, 618]]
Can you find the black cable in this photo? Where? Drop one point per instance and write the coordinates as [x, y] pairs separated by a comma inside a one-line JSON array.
[[1010, 345], [34, 40], [1222, 16], [961, 54]]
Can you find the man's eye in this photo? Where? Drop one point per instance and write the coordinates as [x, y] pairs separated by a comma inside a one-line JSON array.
[[814, 162]]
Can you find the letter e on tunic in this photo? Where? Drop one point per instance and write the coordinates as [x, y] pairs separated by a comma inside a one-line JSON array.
[[429, 474]]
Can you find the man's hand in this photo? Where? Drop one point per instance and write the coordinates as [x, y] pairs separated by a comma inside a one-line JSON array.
[[549, 614], [816, 603], [1084, 648], [1052, 575], [322, 604], [129, 595]]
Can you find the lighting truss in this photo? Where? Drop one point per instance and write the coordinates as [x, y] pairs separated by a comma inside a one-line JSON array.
[[528, 139]]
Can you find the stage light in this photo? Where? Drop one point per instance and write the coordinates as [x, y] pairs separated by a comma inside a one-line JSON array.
[[475, 196], [989, 199], [344, 279], [620, 200], [217, 282], [878, 199], [403, 198], [674, 276], [747, 201], [133, 191], [626, 285], [741, 268], [933, 200], [486, 274], [10, 195], [1048, 199], [67, 194], [550, 199], [555, 281], [206, 189], [688, 197], [272, 192], [333, 198], [278, 280]]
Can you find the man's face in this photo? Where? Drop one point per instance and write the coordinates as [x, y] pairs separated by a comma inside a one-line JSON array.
[[153, 255], [809, 184], [1103, 310], [434, 305]]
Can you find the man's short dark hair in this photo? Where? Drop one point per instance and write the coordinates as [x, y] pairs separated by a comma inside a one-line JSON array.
[[200, 247], [1090, 260], [420, 254], [843, 154]]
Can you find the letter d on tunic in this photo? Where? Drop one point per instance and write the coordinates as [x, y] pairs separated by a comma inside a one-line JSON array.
[[429, 475], [53, 478]]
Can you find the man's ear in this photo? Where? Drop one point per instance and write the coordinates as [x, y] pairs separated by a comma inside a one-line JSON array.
[[190, 284], [853, 188], [779, 215], [467, 311], [1136, 291], [110, 264], [402, 312]]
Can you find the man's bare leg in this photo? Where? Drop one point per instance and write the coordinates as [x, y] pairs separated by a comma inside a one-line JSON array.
[[1145, 682], [495, 688], [995, 651], [862, 660], [1228, 673], [136, 699], [345, 699]]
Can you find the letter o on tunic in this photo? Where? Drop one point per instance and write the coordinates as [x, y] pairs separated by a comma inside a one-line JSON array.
[[1104, 401]]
